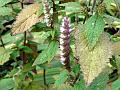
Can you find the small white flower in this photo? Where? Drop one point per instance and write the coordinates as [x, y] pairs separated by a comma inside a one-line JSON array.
[[61, 41], [62, 36], [61, 47], [62, 53]]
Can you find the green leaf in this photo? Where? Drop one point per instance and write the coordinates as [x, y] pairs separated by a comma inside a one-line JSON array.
[[116, 85], [6, 84], [100, 83], [62, 78], [35, 85], [94, 27], [47, 54], [3, 2], [40, 37], [118, 1], [117, 58], [15, 54], [108, 3], [72, 6], [26, 49], [5, 11], [4, 55], [94, 61]]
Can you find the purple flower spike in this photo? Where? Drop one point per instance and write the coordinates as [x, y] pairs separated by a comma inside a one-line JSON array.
[[65, 43], [47, 13]]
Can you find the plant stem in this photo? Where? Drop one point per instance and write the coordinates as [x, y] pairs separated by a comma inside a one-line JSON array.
[[2, 42], [2, 39], [93, 6], [24, 57], [25, 38], [44, 77], [55, 15]]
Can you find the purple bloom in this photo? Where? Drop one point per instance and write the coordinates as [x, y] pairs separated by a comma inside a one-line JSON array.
[[47, 12], [65, 42]]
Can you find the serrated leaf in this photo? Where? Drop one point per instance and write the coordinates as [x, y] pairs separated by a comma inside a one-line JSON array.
[[3, 2], [5, 11], [93, 61], [6, 84], [94, 27], [116, 48], [4, 55], [48, 54], [26, 19], [100, 82]]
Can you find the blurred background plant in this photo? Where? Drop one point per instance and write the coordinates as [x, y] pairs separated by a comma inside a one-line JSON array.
[[29, 45]]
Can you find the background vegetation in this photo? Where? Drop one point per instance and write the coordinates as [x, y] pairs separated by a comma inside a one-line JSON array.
[[30, 35]]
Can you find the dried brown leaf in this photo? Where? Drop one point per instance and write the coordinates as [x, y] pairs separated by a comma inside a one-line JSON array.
[[116, 48], [26, 19], [93, 61]]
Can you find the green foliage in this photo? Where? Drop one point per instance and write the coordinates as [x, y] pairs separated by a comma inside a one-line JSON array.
[[30, 60], [47, 54], [100, 82], [94, 27], [72, 7], [62, 78], [5, 11], [4, 55], [116, 85], [7, 84], [4, 2]]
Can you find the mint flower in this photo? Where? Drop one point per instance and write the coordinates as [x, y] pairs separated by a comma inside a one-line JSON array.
[[65, 42], [47, 13]]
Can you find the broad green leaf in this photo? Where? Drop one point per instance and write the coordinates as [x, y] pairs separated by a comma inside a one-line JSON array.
[[47, 54], [6, 84], [94, 27], [26, 49], [116, 85], [5, 11], [93, 61], [4, 55], [15, 54], [3, 2], [62, 78], [100, 83], [72, 6]]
